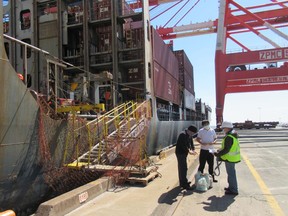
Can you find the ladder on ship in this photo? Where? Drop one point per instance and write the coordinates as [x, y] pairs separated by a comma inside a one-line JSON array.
[[121, 139]]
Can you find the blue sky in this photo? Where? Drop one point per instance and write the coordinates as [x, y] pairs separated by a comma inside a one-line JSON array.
[[238, 107]]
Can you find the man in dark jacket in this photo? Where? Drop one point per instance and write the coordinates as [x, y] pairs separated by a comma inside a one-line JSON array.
[[185, 146]]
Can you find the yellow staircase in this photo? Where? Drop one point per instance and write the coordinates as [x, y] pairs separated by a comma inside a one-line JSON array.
[[119, 130]]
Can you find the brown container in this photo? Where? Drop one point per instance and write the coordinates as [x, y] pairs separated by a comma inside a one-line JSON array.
[[186, 77], [101, 10], [133, 33], [103, 39], [164, 56], [189, 82], [135, 74], [182, 57], [166, 86]]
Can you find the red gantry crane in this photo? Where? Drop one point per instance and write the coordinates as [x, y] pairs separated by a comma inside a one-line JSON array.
[[232, 70]]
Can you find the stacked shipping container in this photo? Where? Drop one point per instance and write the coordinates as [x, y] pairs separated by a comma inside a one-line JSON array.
[[100, 10], [186, 79], [166, 71], [175, 73]]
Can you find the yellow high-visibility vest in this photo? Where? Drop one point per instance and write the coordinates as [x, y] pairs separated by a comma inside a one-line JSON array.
[[234, 153]]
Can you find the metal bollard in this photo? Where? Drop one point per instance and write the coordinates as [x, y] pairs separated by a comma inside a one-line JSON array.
[[8, 213]]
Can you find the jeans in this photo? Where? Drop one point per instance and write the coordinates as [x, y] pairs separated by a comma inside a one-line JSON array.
[[232, 179]]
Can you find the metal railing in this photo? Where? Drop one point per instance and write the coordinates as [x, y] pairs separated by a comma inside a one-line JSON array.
[[120, 124]]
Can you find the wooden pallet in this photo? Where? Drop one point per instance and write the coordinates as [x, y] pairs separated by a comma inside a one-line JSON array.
[[128, 169], [143, 179]]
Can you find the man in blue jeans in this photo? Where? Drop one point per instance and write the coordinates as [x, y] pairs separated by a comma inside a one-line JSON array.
[[230, 154]]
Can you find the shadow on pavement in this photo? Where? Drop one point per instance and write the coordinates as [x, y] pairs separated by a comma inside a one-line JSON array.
[[171, 196], [218, 204]]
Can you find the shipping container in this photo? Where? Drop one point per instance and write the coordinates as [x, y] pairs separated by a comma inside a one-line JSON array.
[[189, 100], [186, 76], [103, 38], [133, 33], [100, 9], [135, 73], [166, 86], [163, 55]]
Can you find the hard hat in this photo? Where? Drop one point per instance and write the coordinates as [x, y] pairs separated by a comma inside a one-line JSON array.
[[227, 124]]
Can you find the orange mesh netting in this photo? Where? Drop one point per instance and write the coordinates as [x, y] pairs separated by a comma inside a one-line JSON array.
[[65, 139]]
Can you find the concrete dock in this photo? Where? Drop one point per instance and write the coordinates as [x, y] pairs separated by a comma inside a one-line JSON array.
[[262, 180]]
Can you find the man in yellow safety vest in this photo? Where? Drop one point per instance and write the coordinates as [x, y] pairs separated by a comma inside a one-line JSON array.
[[230, 154]]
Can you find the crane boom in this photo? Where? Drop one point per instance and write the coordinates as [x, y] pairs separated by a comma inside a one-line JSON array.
[[272, 17]]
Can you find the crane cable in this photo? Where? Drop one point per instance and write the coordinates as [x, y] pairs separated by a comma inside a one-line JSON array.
[[164, 10], [176, 12], [187, 12]]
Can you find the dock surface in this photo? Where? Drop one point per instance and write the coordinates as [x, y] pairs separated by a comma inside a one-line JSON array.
[[262, 181]]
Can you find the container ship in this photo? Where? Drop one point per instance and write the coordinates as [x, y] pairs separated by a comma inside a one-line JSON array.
[[87, 58]]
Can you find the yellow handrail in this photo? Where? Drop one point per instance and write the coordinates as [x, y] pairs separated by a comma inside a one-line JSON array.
[[118, 116], [127, 109]]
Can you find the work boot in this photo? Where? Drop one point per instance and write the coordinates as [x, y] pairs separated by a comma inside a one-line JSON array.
[[214, 180]]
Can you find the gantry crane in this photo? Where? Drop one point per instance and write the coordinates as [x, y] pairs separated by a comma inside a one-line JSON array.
[[231, 71], [271, 16]]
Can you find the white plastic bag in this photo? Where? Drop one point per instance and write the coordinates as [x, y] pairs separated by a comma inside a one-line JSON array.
[[209, 180], [203, 182]]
